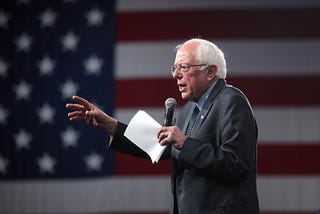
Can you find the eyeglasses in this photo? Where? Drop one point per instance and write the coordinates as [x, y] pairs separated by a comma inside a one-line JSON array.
[[184, 67]]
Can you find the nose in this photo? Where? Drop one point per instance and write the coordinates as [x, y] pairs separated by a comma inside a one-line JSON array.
[[177, 74]]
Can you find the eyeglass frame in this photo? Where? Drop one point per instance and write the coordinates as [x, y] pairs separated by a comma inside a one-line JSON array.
[[186, 66]]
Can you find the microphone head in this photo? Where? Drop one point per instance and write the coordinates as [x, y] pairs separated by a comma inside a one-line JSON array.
[[170, 103]]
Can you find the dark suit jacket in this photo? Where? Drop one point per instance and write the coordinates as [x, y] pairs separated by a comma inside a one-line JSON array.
[[215, 171]]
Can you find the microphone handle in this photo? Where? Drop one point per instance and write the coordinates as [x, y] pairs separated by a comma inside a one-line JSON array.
[[168, 120]]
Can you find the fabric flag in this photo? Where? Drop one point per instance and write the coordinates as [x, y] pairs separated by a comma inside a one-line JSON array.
[[49, 51], [272, 50], [272, 53]]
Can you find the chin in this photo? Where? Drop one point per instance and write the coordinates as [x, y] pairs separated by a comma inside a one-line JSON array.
[[185, 96]]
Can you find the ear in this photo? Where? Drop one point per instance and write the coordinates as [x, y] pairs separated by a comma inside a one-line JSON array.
[[212, 70]]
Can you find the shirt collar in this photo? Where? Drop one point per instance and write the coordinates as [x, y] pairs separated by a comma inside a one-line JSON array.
[[204, 97]]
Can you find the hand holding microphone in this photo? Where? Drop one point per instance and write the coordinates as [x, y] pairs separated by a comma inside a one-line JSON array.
[[170, 134]]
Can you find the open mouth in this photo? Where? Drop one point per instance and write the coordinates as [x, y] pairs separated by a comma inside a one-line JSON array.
[[182, 87]]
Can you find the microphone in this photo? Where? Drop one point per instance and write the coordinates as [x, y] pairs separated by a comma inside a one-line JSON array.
[[168, 117]]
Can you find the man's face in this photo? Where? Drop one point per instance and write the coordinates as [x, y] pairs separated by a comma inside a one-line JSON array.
[[193, 83]]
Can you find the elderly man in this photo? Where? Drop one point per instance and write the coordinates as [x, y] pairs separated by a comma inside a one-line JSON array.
[[213, 143]]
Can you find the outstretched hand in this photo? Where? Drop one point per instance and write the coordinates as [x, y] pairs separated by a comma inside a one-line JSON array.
[[85, 111]]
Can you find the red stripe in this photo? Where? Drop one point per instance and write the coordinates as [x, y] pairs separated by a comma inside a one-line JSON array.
[[222, 23], [299, 159], [280, 90], [283, 159], [266, 91], [145, 92], [129, 165]]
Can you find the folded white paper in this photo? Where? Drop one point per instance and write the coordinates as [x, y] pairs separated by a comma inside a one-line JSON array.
[[142, 131]]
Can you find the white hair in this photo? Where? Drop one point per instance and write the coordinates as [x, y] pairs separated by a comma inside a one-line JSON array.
[[209, 53]]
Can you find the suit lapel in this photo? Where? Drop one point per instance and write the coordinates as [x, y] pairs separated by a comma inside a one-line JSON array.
[[188, 115], [209, 102]]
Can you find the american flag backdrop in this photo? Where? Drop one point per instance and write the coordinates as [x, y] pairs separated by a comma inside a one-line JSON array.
[[53, 49]]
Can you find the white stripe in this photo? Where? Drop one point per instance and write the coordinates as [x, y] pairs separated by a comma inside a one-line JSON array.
[[254, 57], [141, 194], [147, 5], [289, 193], [276, 124], [288, 124], [144, 59], [125, 114], [94, 195]]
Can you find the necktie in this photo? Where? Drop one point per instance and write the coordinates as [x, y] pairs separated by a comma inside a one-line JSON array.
[[192, 120]]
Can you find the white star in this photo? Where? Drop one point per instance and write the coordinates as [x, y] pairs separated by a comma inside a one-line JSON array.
[[23, 42], [22, 90], [69, 42], [70, 137], [3, 115], [4, 18], [46, 113], [48, 18], [22, 139], [3, 165], [93, 65], [4, 66], [95, 17], [46, 66], [68, 89], [46, 163], [93, 162]]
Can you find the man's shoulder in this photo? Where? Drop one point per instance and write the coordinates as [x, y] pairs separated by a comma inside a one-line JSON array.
[[232, 91]]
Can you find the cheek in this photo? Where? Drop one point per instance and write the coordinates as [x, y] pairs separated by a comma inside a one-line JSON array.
[[191, 85], [190, 88], [196, 88], [191, 82]]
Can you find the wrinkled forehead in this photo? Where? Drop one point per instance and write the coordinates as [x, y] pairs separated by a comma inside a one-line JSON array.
[[184, 57], [186, 53]]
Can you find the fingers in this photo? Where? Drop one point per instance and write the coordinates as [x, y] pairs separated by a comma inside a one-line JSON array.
[[82, 106], [77, 119], [76, 116], [84, 111], [76, 107], [171, 135], [160, 133], [163, 136], [82, 101]]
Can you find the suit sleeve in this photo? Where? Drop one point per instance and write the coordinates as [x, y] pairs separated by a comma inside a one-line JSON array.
[[122, 144], [228, 151]]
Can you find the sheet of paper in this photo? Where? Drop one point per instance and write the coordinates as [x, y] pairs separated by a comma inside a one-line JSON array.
[[142, 131]]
